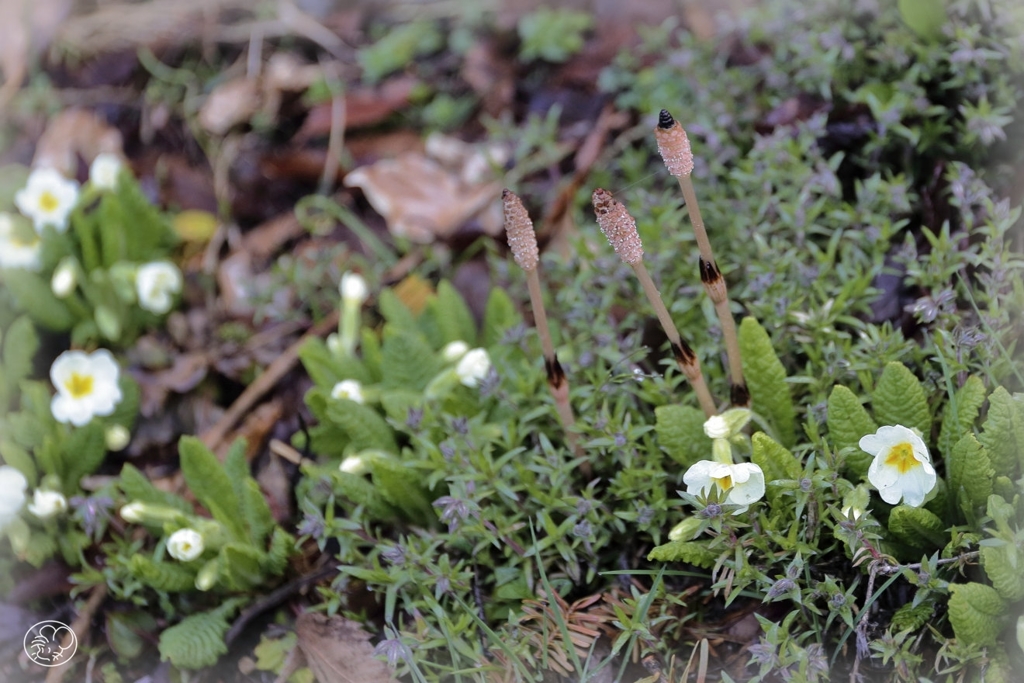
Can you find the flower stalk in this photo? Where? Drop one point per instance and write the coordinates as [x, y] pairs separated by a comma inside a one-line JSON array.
[[674, 147], [620, 229], [523, 242]]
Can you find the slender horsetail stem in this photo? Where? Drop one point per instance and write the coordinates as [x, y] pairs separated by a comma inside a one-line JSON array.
[[620, 229], [523, 242], [674, 147]]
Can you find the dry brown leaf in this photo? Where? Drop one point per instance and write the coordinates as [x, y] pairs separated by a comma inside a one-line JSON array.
[[73, 133], [28, 28], [338, 650], [231, 103], [364, 106], [491, 75], [425, 198]]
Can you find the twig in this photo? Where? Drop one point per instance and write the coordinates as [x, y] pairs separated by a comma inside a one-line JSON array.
[[620, 229], [275, 598], [674, 147], [80, 626], [522, 240], [213, 436]]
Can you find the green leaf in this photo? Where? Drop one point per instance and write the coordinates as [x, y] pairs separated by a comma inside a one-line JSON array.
[[396, 313], [447, 318], [401, 487], [397, 403], [253, 506], [910, 617], [358, 490], [362, 424], [408, 360], [970, 473], [690, 552], [145, 234], [19, 458], [20, 345], [210, 484], [170, 577], [848, 421], [917, 527], [34, 296], [399, 47], [766, 380], [976, 613], [372, 357], [137, 487], [776, 462], [680, 431], [960, 414], [282, 546], [899, 399], [924, 17], [241, 566], [1003, 432], [499, 315], [197, 641], [83, 453], [325, 369], [1004, 565]]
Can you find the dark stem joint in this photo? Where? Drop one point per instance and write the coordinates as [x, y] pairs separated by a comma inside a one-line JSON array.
[[683, 353], [709, 272], [556, 375], [739, 395], [665, 120]]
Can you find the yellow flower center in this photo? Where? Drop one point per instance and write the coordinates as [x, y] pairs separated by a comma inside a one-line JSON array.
[[48, 202], [79, 385], [901, 456], [724, 483]]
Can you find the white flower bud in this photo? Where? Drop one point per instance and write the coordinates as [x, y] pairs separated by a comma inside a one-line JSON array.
[[473, 367], [348, 388], [47, 504], [185, 545], [117, 438], [64, 280], [353, 288], [453, 351]]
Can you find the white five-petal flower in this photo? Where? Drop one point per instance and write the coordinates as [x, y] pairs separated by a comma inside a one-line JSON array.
[[742, 483], [156, 284], [47, 504], [47, 199], [86, 386], [348, 388], [185, 545], [473, 367], [12, 494], [902, 467], [18, 250], [103, 171]]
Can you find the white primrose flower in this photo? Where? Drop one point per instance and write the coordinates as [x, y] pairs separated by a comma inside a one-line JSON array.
[[17, 250], [156, 284], [743, 483], [354, 464], [103, 171], [117, 438], [473, 367], [353, 288], [47, 504], [12, 494], [348, 388], [47, 199], [902, 467], [185, 545], [453, 351], [86, 386]]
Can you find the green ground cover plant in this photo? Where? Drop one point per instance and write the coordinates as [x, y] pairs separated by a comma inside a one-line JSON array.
[[507, 499]]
